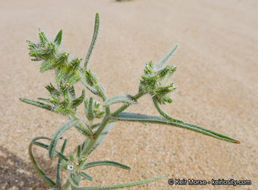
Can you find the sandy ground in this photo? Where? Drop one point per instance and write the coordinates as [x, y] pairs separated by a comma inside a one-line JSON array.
[[216, 79]]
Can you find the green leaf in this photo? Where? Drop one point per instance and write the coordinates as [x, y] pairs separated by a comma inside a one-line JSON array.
[[57, 135], [74, 78], [75, 179], [61, 74], [46, 178], [93, 41], [36, 103], [43, 38], [58, 38], [163, 62], [86, 176], [47, 65], [76, 102], [90, 114], [58, 173], [52, 90], [126, 116], [84, 82], [78, 153], [43, 99], [82, 130], [106, 163], [71, 92], [118, 186], [45, 146], [119, 99]]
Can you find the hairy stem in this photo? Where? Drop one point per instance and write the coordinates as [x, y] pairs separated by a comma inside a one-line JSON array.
[[164, 114], [125, 106]]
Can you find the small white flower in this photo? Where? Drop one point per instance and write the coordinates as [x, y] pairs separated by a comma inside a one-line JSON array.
[[70, 167]]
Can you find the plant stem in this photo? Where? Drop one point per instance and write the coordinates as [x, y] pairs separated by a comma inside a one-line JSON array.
[[67, 185], [125, 106], [164, 114]]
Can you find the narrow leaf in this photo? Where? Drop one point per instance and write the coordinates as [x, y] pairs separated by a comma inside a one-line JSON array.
[[52, 90], [93, 41], [86, 176], [36, 103], [48, 65], [83, 131], [58, 38], [57, 135], [90, 109], [43, 99], [163, 62], [72, 92], [43, 38], [120, 99], [78, 153], [93, 90], [36, 165], [106, 163], [58, 172], [118, 186], [45, 146], [76, 102], [126, 116]]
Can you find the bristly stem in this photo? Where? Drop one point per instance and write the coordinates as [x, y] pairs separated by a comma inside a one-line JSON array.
[[164, 114], [125, 106]]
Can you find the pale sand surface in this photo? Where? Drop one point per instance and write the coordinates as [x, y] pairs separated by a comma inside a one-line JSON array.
[[216, 79]]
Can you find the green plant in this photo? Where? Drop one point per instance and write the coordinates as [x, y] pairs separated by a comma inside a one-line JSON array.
[[100, 117]]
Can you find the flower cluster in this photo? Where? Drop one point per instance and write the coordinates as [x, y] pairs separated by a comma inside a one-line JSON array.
[[93, 109], [155, 81], [52, 58], [63, 100]]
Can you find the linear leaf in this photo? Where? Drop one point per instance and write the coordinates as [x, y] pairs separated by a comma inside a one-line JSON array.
[[71, 92], [36, 103], [119, 99], [58, 172], [58, 38], [76, 102], [163, 62], [86, 176], [43, 38], [83, 131], [106, 163], [47, 65], [90, 109], [118, 186], [58, 134], [45, 146], [126, 116], [93, 90], [36, 165], [78, 153], [93, 41], [52, 90]]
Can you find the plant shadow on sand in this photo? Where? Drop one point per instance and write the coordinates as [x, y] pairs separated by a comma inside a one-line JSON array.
[[18, 174]]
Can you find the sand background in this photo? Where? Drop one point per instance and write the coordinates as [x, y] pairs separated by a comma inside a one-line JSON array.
[[216, 79]]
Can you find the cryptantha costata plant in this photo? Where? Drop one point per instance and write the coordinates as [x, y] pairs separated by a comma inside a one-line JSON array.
[[100, 118]]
